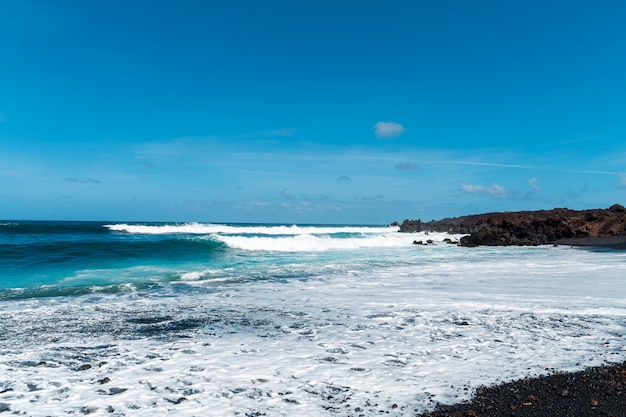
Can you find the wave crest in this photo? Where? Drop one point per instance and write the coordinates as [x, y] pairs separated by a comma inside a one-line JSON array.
[[211, 228], [316, 243], [283, 238]]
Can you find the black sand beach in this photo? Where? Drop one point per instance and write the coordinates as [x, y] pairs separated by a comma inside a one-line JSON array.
[[598, 391], [607, 242]]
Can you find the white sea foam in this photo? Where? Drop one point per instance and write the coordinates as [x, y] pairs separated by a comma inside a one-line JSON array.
[[292, 238], [413, 326], [208, 228], [205, 274], [309, 242]]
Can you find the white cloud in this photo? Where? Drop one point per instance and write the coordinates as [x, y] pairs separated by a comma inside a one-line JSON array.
[[388, 130], [622, 179], [494, 190]]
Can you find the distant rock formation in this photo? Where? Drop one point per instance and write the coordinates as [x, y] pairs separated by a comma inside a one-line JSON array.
[[528, 228]]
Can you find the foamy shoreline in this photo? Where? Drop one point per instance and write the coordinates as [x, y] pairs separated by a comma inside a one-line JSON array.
[[185, 325]]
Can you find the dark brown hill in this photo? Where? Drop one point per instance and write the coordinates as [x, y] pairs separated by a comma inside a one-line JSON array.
[[530, 228]]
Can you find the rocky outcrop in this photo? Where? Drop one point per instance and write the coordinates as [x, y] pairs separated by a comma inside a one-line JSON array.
[[528, 228]]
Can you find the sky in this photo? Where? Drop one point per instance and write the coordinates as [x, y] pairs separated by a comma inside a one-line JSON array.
[[323, 112]]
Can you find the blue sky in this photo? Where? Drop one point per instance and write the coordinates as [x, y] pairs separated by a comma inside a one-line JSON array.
[[309, 111]]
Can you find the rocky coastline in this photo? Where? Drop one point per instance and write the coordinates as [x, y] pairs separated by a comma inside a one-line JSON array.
[[594, 227]]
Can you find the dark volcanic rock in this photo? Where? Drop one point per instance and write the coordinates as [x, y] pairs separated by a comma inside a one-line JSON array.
[[528, 228]]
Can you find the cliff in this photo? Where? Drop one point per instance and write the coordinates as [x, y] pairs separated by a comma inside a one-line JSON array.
[[529, 228]]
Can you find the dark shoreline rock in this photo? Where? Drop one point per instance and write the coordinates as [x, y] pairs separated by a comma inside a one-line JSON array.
[[608, 242], [598, 391], [532, 228]]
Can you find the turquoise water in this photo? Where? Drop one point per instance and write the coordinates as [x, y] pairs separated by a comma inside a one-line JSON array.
[[44, 257], [63, 258]]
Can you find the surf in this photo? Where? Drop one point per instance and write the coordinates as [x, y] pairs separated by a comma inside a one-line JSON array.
[[244, 229], [288, 238]]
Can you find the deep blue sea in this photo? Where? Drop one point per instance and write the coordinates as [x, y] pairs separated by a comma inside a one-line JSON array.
[[197, 319], [63, 258]]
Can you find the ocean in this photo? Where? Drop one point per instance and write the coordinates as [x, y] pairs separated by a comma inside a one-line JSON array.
[[199, 319]]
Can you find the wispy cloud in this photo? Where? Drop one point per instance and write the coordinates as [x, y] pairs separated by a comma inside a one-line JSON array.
[[370, 197], [484, 164], [388, 130], [520, 166], [198, 150], [275, 206], [344, 178], [406, 166], [494, 190], [84, 181], [533, 184], [622, 179], [285, 131]]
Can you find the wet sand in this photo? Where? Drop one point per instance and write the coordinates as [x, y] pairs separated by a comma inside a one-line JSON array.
[[598, 391]]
